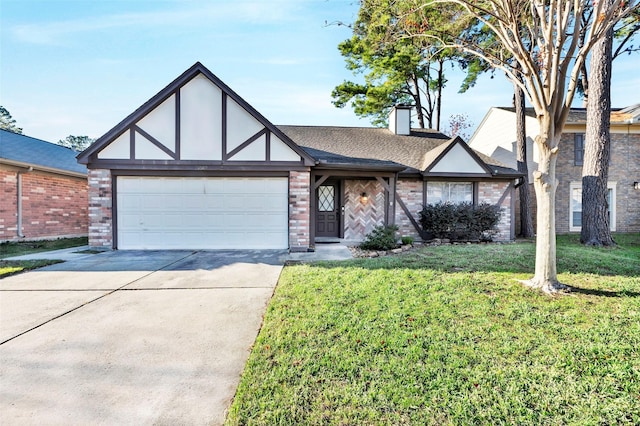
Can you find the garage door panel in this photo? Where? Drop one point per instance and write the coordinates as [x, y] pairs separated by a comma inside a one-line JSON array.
[[202, 213]]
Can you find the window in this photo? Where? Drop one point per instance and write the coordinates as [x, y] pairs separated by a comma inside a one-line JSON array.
[[452, 192], [578, 149], [575, 206]]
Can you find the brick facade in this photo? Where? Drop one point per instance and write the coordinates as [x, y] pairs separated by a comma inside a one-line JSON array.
[[492, 192], [624, 169], [299, 211], [100, 209], [53, 205], [361, 217], [411, 193]]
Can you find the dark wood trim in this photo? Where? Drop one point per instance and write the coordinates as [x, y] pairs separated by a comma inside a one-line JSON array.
[[170, 89], [341, 197], [267, 148], [154, 141], [458, 176], [512, 207], [476, 192], [359, 168], [178, 128], [356, 174], [224, 127], [320, 181], [188, 165], [246, 143], [114, 211], [458, 141], [312, 210], [132, 144], [199, 173], [404, 208], [504, 195]]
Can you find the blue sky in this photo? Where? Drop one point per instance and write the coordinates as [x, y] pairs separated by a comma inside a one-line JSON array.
[[80, 66]]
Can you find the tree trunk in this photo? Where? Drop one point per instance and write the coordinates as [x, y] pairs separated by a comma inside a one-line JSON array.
[[595, 170], [439, 95], [418, 100], [526, 221], [545, 184]]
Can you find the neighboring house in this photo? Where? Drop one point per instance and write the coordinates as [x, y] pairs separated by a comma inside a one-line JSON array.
[[496, 137], [197, 167], [44, 190]]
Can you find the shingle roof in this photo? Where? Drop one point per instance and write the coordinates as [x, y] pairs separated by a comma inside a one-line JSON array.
[[36, 152], [415, 151], [579, 115]]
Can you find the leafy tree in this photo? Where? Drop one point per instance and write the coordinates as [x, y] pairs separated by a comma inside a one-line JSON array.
[[406, 71], [77, 143], [549, 63], [7, 122]]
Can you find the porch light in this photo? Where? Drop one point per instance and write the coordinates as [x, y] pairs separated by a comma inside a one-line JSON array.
[[636, 185], [364, 198]]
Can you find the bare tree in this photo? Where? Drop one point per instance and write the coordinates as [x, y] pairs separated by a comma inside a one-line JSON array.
[[548, 69]]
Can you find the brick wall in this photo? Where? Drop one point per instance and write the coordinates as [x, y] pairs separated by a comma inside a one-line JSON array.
[[410, 191], [491, 192], [299, 211], [624, 169], [360, 218], [53, 205], [100, 209]]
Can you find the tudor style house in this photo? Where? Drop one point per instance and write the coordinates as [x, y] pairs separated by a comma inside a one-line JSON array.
[[197, 167], [496, 137], [44, 190]]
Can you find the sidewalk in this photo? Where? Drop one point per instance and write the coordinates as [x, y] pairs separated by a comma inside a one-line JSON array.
[[322, 252], [62, 254]]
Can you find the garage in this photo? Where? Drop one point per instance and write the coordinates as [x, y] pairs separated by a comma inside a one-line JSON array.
[[201, 212]]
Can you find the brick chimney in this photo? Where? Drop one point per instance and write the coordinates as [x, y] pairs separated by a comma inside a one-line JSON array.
[[400, 120]]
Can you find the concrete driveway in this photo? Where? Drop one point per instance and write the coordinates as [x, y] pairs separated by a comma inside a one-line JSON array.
[[131, 337]]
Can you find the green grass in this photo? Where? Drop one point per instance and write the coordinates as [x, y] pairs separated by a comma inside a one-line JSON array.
[[10, 249], [447, 335], [12, 267]]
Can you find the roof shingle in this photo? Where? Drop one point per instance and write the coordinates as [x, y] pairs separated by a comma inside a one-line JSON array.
[[36, 152]]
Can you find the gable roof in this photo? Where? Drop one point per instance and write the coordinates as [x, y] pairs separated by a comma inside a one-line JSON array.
[[417, 152], [195, 70], [25, 151], [628, 115]]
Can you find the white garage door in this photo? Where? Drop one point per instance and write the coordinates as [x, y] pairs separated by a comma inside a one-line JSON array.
[[202, 213]]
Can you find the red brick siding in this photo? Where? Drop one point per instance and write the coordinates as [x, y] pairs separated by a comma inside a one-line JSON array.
[[360, 218], [100, 209], [491, 192], [299, 211], [410, 191], [53, 205]]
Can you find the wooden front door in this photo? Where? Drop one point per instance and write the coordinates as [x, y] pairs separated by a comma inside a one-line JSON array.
[[328, 210]]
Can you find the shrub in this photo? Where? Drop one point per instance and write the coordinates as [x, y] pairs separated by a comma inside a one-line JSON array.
[[406, 240], [460, 222], [381, 238]]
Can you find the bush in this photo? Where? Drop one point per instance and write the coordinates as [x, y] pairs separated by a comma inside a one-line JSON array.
[[406, 240], [381, 238], [461, 222]]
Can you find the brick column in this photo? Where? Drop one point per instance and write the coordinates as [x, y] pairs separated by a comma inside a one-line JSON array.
[[100, 209], [299, 211]]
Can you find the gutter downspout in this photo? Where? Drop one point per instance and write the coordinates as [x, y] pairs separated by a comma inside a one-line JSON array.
[[19, 202]]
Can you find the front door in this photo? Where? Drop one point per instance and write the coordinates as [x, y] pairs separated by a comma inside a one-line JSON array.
[[328, 210]]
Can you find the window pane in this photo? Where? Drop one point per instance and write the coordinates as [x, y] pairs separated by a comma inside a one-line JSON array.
[[452, 192], [326, 198], [576, 207]]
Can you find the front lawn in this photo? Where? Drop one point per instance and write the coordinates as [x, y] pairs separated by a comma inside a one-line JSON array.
[[12, 267], [447, 335], [10, 249]]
